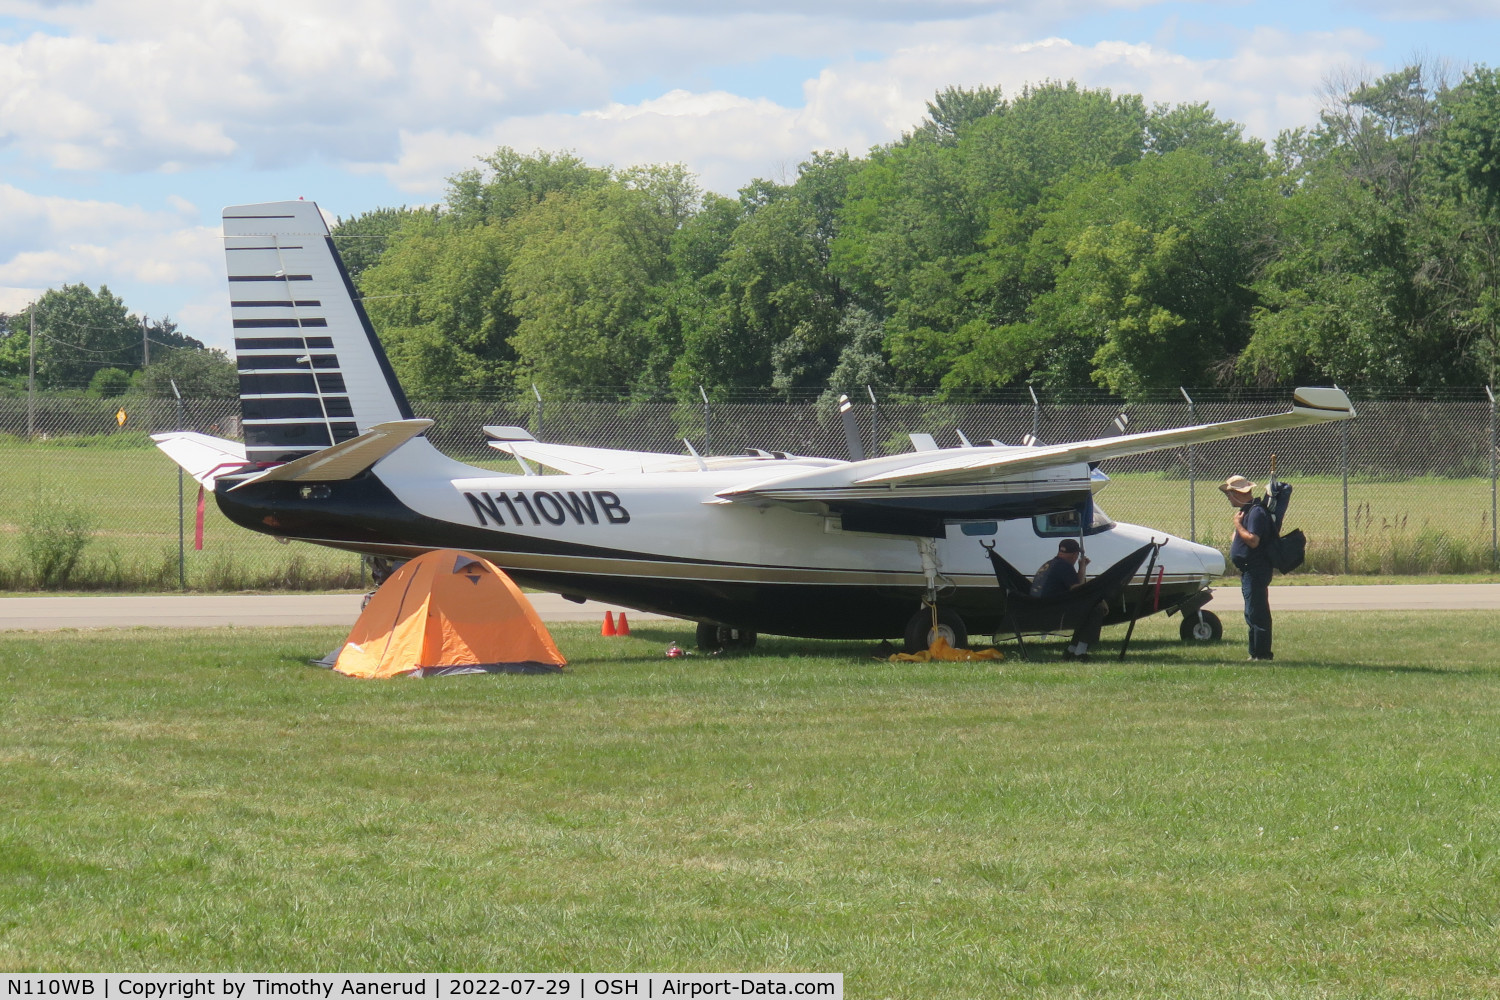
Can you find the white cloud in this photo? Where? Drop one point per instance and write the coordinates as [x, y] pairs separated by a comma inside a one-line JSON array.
[[1270, 82], [50, 241], [206, 88], [173, 84]]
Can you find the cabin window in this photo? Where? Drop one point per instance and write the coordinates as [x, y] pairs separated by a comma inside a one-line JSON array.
[[1064, 523]]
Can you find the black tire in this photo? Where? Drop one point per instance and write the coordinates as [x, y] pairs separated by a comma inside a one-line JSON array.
[[919, 633], [1201, 626], [717, 638]]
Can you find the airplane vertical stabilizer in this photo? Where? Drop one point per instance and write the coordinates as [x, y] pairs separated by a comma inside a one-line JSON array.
[[312, 372]]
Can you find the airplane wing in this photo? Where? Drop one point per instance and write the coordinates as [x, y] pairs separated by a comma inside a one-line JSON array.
[[983, 465], [203, 457], [579, 461], [346, 459]]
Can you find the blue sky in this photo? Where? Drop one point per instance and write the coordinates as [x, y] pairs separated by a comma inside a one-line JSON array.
[[125, 128]]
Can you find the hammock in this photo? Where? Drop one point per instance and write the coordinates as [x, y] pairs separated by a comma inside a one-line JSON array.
[[1024, 612]]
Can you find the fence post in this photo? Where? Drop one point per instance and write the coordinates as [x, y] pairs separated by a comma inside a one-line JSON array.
[[1192, 479], [1344, 461], [31, 382], [874, 422], [538, 394], [181, 544], [1036, 416], [1494, 535], [708, 447]]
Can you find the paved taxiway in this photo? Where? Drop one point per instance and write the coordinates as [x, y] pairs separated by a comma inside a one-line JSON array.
[[199, 611]]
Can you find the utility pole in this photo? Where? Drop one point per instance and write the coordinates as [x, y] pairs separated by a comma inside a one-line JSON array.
[[145, 345]]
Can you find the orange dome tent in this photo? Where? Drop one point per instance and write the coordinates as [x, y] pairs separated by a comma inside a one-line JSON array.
[[447, 612]]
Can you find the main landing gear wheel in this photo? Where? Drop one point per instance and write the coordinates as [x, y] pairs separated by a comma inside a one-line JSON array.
[[920, 633], [714, 638], [1201, 626]]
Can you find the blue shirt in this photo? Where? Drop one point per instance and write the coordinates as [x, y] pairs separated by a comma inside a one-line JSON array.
[[1056, 577], [1258, 523]]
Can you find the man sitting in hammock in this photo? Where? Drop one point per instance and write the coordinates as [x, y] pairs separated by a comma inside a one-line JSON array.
[[1060, 574]]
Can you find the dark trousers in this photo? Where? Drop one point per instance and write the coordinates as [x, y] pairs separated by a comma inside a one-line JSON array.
[[1086, 622], [1255, 587]]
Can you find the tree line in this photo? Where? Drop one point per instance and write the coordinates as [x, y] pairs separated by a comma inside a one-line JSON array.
[[1061, 237], [86, 341]]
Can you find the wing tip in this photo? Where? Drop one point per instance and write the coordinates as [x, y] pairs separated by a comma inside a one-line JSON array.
[[1328, 402]]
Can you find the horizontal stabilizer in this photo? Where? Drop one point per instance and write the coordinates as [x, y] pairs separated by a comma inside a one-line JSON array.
[[202, 457], [346, 459], [575, 460]]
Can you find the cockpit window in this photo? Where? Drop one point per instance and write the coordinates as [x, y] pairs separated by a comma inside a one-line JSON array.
[[1064, 523]]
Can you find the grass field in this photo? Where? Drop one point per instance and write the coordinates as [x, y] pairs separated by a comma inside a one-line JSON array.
[[1182, 824], [1408, 527], [128, 489]]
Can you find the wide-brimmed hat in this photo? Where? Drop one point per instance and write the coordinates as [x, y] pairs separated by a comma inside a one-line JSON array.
[[1237, 484]]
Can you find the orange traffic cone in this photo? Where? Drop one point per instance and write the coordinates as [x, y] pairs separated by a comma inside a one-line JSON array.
[[624, 625], [609, 624]]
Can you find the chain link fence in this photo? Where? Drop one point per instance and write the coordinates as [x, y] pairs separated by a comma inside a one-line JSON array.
[[1408, 487]]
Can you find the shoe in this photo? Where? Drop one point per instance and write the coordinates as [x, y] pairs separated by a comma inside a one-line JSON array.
[[1068, 654], [1082, 657]]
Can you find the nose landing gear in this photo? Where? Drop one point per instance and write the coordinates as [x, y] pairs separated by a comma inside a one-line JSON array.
[[1200, 626]]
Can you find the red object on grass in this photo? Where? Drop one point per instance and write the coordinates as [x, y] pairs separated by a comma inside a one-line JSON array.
[[198, 523]]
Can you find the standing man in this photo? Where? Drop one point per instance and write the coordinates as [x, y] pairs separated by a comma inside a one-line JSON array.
[[1060, 574], [1252, 525]]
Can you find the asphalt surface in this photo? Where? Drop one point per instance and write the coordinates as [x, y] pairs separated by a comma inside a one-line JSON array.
[[251, 610]]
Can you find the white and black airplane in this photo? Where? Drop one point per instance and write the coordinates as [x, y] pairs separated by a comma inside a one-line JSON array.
[[765, 542]]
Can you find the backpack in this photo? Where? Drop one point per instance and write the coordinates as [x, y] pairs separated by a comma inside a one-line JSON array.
[[1287, 551]]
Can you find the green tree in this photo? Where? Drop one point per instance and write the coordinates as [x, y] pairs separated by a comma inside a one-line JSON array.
[[1468, 171], [438, 291], [107, 383], [514, 182], [1155, 271], [362, 238], [1365, 284], [438, 299], [935, 235], [954, 109], [767, 314], [584, 280], [200, 374], [78, 332]]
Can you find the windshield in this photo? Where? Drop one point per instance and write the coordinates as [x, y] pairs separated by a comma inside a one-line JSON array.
[[1064, 524]]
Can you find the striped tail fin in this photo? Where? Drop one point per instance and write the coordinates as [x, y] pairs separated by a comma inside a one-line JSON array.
[[312, 372]]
